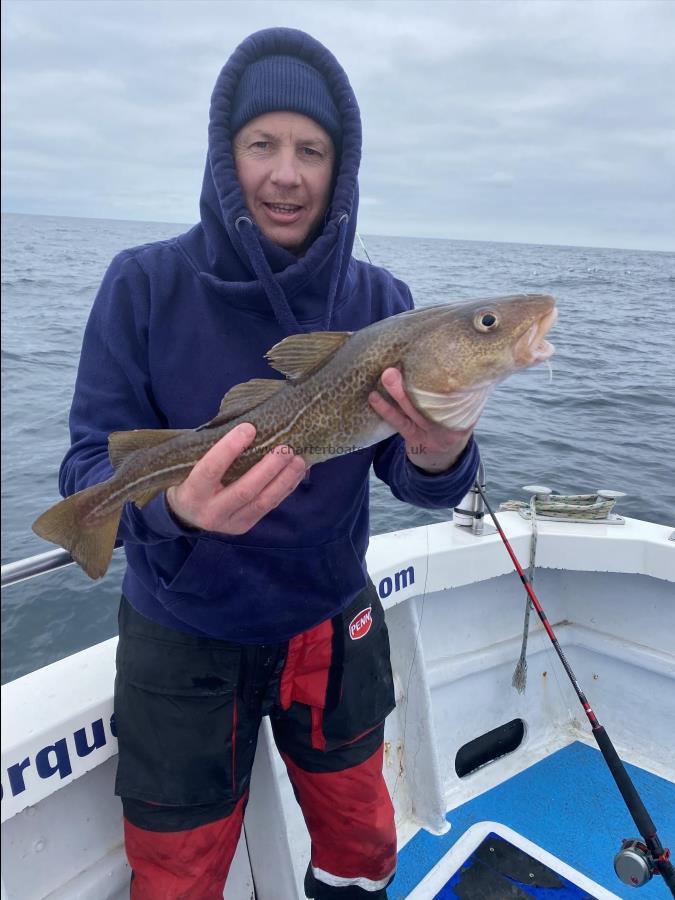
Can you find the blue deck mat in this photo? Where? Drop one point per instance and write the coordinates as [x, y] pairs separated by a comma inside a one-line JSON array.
[[569, 805], [497, 870]]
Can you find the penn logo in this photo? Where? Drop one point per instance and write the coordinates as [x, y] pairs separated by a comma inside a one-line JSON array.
[[360, 624]]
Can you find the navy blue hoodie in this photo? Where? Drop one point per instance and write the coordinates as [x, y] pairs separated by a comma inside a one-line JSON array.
[[176, 324]]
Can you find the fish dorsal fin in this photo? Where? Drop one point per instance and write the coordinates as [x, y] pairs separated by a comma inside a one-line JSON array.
[[301, 354], [121, 444], [242, 398]]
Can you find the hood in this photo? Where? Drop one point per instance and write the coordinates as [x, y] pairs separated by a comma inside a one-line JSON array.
[[227, 248]]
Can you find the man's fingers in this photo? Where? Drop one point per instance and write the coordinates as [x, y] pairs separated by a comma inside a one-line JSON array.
[[247, 489], [393, 382], [205, 478], [274, 493], [393, 416]]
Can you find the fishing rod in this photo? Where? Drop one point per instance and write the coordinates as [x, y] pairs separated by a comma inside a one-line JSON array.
[[636, 862]]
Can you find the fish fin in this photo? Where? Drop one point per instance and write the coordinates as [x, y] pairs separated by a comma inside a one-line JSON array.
[[301, 354], [147, 496], [244, 397], [121, 444], [90, 546]]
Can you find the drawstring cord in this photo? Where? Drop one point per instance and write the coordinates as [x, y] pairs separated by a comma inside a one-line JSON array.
[[280, 305], [337, 265], [277, 297]]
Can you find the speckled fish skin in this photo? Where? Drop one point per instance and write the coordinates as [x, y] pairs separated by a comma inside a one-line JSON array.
[[450, 361], [437, 349]]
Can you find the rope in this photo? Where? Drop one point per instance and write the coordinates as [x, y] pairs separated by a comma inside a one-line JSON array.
[[519, 680], [555, 506], [564, 506]]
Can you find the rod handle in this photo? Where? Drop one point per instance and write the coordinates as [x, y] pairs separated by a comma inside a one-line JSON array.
[[636, 807], [629, 793]]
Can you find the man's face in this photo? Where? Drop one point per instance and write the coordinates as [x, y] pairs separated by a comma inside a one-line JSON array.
[[284, 164]]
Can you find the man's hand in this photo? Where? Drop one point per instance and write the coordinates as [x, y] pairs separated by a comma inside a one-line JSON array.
[[429, 446], [201, 501]]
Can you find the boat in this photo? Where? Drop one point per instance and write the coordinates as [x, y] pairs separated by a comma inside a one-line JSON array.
[[492, 785]]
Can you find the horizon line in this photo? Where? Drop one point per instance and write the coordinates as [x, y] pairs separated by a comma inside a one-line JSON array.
[[415, 237]]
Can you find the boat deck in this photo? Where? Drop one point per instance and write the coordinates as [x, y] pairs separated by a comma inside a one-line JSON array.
[[567, 804]]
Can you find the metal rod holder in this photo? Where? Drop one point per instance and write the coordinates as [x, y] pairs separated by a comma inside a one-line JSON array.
[[470, 514]]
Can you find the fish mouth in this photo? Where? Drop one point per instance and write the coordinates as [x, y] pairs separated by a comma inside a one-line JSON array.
[[532, 347]]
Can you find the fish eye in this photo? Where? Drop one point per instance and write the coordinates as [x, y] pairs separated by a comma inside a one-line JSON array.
[[486, 321]]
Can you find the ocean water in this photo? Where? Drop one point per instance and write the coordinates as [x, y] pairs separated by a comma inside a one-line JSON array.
[[604, 421]]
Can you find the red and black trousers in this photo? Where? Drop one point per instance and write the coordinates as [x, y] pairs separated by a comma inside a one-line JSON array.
[[188, 711]]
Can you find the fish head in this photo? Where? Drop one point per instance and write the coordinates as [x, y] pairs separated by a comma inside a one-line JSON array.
[[462, 351]]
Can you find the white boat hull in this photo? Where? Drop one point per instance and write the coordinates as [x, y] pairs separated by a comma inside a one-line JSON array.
[[455, 613]]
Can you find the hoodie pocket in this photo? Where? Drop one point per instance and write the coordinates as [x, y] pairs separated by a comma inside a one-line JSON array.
[[253, 594], [198, 570]]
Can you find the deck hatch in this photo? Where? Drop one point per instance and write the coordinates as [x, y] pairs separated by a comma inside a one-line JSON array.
[[497, 870], [488, 747]]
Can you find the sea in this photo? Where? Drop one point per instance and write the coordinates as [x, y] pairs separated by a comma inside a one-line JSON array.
[[604, 418]]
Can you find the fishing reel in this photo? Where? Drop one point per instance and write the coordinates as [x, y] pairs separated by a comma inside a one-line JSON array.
[[634, 864]]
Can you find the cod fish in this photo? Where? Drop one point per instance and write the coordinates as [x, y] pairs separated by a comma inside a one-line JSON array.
[[451, 357]]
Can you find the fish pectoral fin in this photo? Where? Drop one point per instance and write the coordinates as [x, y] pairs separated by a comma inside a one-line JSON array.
[[121, 444], [301, 354], [242, 398], [457, 410]]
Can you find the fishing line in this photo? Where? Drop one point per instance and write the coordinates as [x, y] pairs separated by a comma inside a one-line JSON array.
[[364, 249], [419, 621], [547, 363], [652, 854]]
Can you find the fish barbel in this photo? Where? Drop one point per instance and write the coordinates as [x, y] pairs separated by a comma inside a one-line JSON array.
[[451, 357]]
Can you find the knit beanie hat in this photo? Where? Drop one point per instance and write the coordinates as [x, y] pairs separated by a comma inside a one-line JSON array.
[[275, 83]]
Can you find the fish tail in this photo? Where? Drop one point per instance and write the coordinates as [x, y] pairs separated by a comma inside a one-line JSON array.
[[90, 545]]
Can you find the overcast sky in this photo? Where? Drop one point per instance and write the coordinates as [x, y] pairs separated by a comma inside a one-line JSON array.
[[535, 121]]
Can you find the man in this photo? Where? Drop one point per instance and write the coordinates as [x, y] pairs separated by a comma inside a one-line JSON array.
[[237, 600]]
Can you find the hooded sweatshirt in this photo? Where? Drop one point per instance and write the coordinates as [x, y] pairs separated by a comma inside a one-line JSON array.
[[176, 324]]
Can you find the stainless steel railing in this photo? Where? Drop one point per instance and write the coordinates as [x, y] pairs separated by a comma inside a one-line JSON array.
[[32, 566]]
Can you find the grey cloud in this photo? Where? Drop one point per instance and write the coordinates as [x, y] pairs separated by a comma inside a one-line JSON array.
[[541, 121], [496, 179]]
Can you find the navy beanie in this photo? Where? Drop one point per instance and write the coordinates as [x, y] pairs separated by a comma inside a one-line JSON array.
[[276, 83]]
